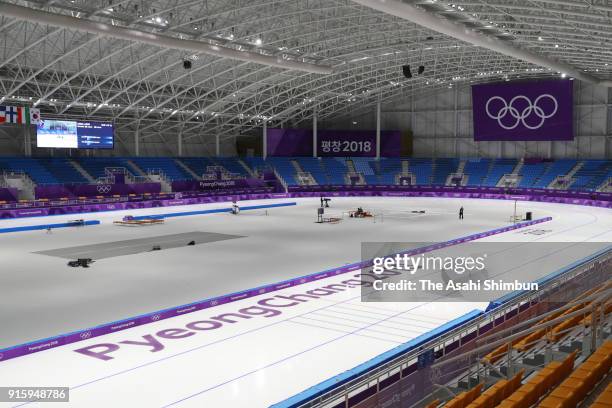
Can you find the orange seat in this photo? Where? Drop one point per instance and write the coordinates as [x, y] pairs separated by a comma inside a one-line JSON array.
[[586, 377], [569, 395], [553, 402], [433, 404]]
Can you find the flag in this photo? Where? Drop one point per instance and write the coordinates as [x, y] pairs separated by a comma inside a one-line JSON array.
[[19, 115], [11, 114], [35, 116]]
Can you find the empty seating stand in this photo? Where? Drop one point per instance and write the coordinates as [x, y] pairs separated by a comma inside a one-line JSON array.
[[497, 392], [167, 165], [499, 168], [365, 166], [285, 169], [556, 168], [96, 167], [30, 166], [540, 384], [465, 398], [476, 170], [312, 165], [422, 170], [336, 170], [444, 167], [591, 175], [531, 172], [389, 168], [197, 164], [63, 170]]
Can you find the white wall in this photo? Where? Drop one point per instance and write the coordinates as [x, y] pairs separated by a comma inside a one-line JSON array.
[[442, 126]]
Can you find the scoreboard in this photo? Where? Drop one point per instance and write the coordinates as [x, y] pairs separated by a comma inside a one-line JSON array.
[[75, 134]]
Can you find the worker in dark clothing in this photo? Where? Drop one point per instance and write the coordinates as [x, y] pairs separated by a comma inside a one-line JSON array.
[[461, 213]]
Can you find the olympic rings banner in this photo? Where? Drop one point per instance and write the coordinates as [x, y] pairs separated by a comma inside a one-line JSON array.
[[525, 111]]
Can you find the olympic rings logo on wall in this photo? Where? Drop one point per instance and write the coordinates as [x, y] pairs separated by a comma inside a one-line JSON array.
[[521, 116], [104, 188]]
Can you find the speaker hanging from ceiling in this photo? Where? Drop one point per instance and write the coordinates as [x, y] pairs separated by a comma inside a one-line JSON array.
[[421, 69], [186, 64], [406, 70]]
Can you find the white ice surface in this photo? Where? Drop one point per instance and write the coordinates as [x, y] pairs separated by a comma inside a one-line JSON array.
[[255, 362]]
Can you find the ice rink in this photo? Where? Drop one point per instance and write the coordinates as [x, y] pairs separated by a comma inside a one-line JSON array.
[[255, 361]]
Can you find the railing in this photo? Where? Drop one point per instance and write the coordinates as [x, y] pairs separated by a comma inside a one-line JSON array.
[[606, 186], [111, 173], [159, 173], [282, 180], [397, 367]]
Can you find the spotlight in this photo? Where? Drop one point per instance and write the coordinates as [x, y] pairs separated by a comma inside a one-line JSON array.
[[186, 64], [406, 70], [421, 69]]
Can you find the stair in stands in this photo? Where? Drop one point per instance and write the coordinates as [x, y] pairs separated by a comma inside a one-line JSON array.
[[246, 168], [82, 171], [518, 167], [135, 168], [187, 169]]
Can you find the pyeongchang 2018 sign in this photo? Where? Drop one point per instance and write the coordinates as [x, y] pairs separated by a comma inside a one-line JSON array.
[[525, 111]]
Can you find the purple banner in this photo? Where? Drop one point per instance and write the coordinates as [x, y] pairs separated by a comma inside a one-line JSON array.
[[358, 143], [330, 143], [526, 111], [93, 190]]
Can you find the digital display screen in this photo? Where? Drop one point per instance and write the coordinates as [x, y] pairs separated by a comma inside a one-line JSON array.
[[67, 134]]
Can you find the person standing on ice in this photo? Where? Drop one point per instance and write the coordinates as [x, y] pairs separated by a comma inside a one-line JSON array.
[[461, 213]]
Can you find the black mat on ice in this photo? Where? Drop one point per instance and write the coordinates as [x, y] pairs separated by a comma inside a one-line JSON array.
[[136, 246]]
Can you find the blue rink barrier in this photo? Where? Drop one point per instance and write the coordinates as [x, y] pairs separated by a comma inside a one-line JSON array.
[[213, 211], [46, 226]]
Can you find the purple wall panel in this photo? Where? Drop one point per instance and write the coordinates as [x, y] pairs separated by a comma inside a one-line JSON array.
[[9, 194], [289, 142]]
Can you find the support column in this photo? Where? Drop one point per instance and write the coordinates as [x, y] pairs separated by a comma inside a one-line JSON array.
[[264, 144], [378, 130], [137, 143], [550, 150], [456, 121], [180, 144], [314, 132], [217, 147], [27, 142]]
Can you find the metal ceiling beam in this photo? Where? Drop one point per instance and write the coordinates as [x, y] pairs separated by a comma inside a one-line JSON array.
[[418, 16], [60, 20]]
